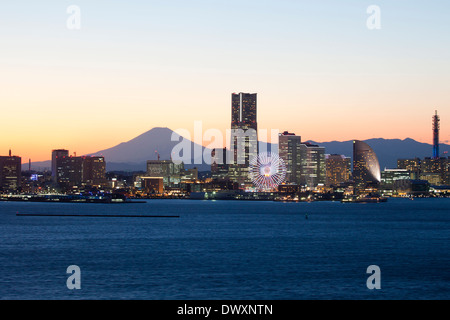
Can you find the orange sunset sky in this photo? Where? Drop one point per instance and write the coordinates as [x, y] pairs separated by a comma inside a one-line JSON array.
[[318, 70]]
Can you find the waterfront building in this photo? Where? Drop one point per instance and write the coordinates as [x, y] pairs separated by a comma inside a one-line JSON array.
[[170, 171], [94, 171], [244, 137], [366, 167], [10, 172], [152, 185], [289, 151], [389, 176], [313, 168], [411, 165], [435, 170], [338, 169], [57, 155]]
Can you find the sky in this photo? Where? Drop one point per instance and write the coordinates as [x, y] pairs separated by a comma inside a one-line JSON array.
[[319, 71]]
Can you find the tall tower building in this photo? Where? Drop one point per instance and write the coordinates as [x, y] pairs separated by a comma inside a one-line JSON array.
[[436, 127], [338, 169], [289, 151], [313, 168], [244, 137], [57, 156], [366, 168], [10, 172]]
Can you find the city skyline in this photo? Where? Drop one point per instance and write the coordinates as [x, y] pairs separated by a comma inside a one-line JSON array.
[[93, 88]]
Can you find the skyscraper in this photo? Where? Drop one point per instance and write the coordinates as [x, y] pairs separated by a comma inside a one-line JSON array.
[[338, 168], [57, 156], [10, 172], [313, 169], [244, 137], [94, 171], [366, 168], [289, 151]]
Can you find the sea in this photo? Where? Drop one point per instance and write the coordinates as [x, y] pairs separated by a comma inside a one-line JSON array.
[[226, 250]]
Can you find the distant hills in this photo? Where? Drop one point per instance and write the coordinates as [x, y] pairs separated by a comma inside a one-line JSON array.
[[387, 150], [133, 155]]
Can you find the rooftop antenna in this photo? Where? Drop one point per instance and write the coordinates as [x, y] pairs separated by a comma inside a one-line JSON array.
[[10, 152], [436, 127], [156, 151]]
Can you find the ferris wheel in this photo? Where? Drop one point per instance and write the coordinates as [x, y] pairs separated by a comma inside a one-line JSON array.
[[267, 171]]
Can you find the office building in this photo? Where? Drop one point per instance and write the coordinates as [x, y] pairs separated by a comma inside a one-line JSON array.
[[10, 172], [411, 165], [57, 155], [390, 176], [94, 171], [338, 169], [244, 137], [289, 151], [435, 170], [313, 167], [167, 169]]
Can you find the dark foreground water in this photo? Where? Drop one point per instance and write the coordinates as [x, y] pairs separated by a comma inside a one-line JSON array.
[[227, 250]]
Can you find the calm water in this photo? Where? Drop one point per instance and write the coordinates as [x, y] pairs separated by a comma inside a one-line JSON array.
[[227, 250]]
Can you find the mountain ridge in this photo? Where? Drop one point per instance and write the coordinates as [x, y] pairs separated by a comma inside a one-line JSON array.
[[132, 155]]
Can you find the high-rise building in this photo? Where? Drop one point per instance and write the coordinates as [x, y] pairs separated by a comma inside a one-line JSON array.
[[57, 155], [435, 170], [338, 169], [313, 168], [94, 171], [244, 137], [366, 168], [289, 151], [69, 172], [10, 172]]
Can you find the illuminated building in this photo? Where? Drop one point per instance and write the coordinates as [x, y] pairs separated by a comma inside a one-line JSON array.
[[389, 176], [338, 169], [94, 171], [69, 172], [412, 165], [152, 185], [57, 155], [10, 172], [435, 171], [289, 151], [366, 168], [244, 137], [170, 171], [313, 168]]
